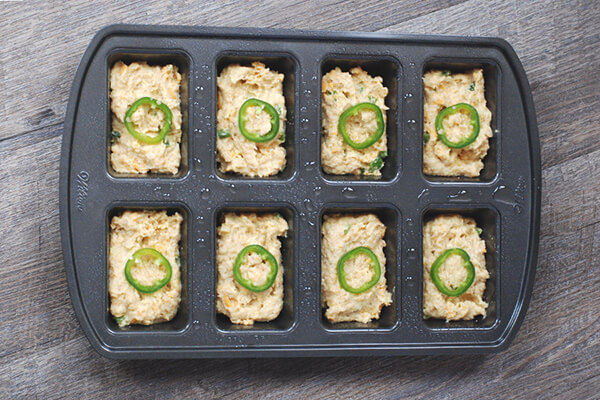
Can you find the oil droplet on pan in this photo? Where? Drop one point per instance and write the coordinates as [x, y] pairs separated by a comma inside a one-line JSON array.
[[348, 193]]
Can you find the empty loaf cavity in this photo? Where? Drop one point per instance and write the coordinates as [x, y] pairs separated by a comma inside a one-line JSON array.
[[132, 231], [235, 153], [129, 83], [340, 234], [444, 89], [237, 231], [340, 91], [446, 232]]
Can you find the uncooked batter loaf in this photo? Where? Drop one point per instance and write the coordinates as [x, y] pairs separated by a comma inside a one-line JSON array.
[[446, 232], [129, 83], [237, 231], [235, 153], [443, 89], [340, 234], [340, 91], [129, 232]]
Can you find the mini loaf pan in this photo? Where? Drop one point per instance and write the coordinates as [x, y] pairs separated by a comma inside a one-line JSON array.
[[504, 200]]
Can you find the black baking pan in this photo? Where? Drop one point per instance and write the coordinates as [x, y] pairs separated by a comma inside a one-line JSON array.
[[505, 200]]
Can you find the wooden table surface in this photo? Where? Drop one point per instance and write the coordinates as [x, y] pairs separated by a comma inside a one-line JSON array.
[[556, 354]]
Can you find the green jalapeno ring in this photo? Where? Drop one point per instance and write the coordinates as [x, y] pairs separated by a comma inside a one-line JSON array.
[[266, 256], [159, 260], [374, 263], [154, 104], [354, 110], [441, 131], [437, 281], [243, 118]]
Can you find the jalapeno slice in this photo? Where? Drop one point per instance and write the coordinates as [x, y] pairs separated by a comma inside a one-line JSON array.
[[243, 118], [374, 264], [441, 131], [437, 281], [266, 256], [354, 110], [159, 260], [142, 137]]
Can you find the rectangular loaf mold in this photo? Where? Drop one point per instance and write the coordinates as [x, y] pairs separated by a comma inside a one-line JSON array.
[[491, 78], [161, 57], [286, 319], [390, 217], [389, 69], [505, 200], [285, 64], [181, 321], [486, 219]]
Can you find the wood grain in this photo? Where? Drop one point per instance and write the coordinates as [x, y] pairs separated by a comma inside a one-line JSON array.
[[556, 355]]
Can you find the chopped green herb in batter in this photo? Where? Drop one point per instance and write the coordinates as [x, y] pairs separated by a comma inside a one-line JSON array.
[[223, 133], [377, 163], [348, 226]]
